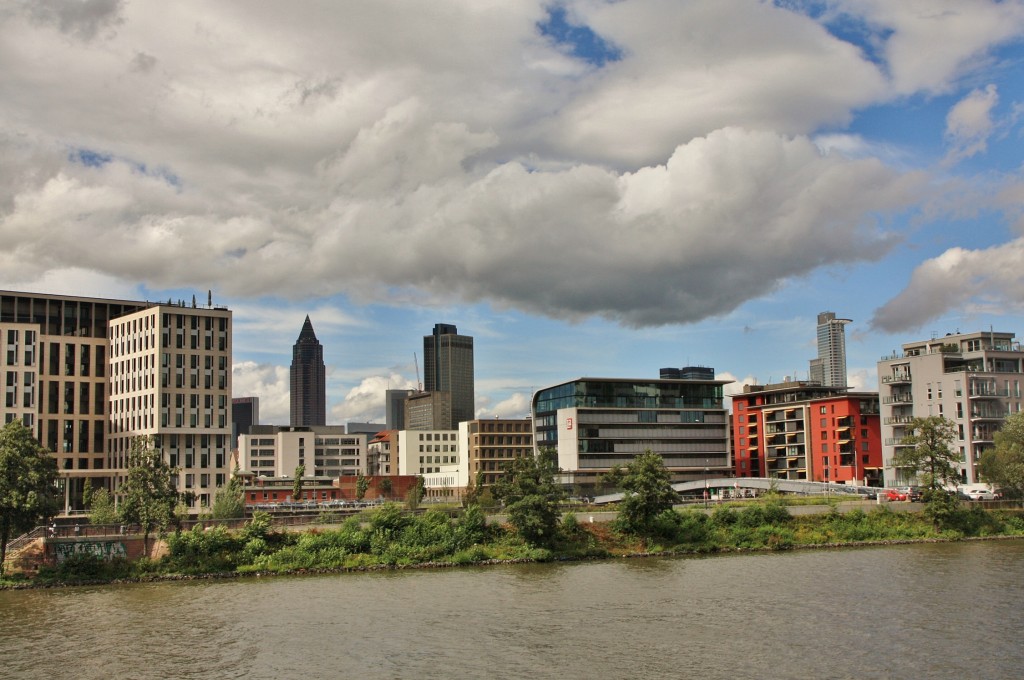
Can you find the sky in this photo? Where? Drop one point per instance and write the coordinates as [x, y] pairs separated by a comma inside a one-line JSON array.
[[588, 188]]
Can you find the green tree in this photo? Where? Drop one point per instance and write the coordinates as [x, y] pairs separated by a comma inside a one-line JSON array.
[[297, 484], [415, 494], [1003, 465], [362, 484], [148, 496], [101, 507], [928, 453], [229, 501], [385, 486], [647, 492], [28, 477], [531, 495]]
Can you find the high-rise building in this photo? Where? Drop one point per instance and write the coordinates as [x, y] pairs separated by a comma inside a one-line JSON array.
[[394, 409], [308, 380], [88, 375], [973, 379], [829, 369], [245, 412], [448, 367]]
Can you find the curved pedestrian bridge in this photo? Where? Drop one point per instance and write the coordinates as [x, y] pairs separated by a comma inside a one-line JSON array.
[[737, 486]]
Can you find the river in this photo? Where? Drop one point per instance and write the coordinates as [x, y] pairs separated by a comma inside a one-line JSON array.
[[948, 610]]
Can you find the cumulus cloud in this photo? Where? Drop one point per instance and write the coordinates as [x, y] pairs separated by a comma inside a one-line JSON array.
[[516, 405], [364, 403], [449, 152], [270, 383], [971, 280], [969, 123]]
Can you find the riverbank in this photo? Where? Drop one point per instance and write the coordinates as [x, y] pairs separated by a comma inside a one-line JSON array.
[[390, 539]]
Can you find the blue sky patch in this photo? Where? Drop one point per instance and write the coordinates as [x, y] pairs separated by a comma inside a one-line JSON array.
[[580, 41], [89, 158]]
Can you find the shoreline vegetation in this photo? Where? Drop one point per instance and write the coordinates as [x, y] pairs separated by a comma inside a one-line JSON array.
[[389, 538]]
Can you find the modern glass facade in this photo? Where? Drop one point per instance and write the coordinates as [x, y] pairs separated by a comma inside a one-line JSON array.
[[597, 423]]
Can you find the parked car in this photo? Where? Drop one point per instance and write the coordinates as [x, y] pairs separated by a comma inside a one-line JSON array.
[[914, 493], [980, 494], [895, 495], [869, 494]]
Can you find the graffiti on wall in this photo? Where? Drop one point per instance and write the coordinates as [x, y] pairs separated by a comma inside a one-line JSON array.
[[103, 549]]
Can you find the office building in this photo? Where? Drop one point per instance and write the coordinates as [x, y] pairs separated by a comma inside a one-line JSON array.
[[245, 412], [308, 380], [972, 379], [800, 430], [829, 368], [88, 375], [490, 445], [597, 423], [428, 411], [327, 451], [448, 368], [394, 409], [435, 456]]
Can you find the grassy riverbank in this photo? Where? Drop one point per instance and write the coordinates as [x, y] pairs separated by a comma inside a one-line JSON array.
[[389, 538]]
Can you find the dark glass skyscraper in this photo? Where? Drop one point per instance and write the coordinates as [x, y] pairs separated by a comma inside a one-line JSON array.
[[308, 383], [448, 367]]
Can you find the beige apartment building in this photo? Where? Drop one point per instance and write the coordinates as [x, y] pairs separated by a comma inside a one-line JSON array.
[[973, 379], [89, 374]]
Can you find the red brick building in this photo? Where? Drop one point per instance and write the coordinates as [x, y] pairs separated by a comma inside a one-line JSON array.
[[805, 431]]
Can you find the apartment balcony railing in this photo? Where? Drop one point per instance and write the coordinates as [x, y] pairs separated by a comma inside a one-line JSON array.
[[897, 420], [898, 399], [895, 379]]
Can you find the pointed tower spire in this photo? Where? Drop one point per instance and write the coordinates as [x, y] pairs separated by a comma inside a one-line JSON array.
[[308, 378]]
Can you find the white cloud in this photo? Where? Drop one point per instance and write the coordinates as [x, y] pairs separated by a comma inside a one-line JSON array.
[[516, 405], [270, 383], [365, 402], [971, 280], [446, 152], [969, 123]]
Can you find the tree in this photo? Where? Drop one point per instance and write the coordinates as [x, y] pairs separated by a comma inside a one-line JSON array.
[[229, 501], [531, 496], [28, 477], [148, 496], [297, 484], [362, 484], [648, 492], [926, 451], [384, 485], [101, 507], [1003, 466]]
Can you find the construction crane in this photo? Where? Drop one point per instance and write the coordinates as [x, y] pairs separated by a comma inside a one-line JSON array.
[[415, 360]]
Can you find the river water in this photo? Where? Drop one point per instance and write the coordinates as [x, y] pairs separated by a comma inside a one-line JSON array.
[[952, 610]]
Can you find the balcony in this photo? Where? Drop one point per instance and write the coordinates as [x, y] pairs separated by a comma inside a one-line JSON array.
[[897, 420], [899, 399], [896, 379]]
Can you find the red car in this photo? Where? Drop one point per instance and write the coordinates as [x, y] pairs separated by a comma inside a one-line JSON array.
[[895, 495]]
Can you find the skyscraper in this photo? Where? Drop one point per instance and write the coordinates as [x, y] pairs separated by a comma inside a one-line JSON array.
[[308, 380], [829, 369], [448, 367]]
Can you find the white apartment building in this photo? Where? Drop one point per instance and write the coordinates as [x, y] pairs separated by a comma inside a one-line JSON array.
[[973, 379], [325, 451], [434, 455]]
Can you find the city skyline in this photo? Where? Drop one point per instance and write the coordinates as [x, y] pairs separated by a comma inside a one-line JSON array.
[[586, 188]]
